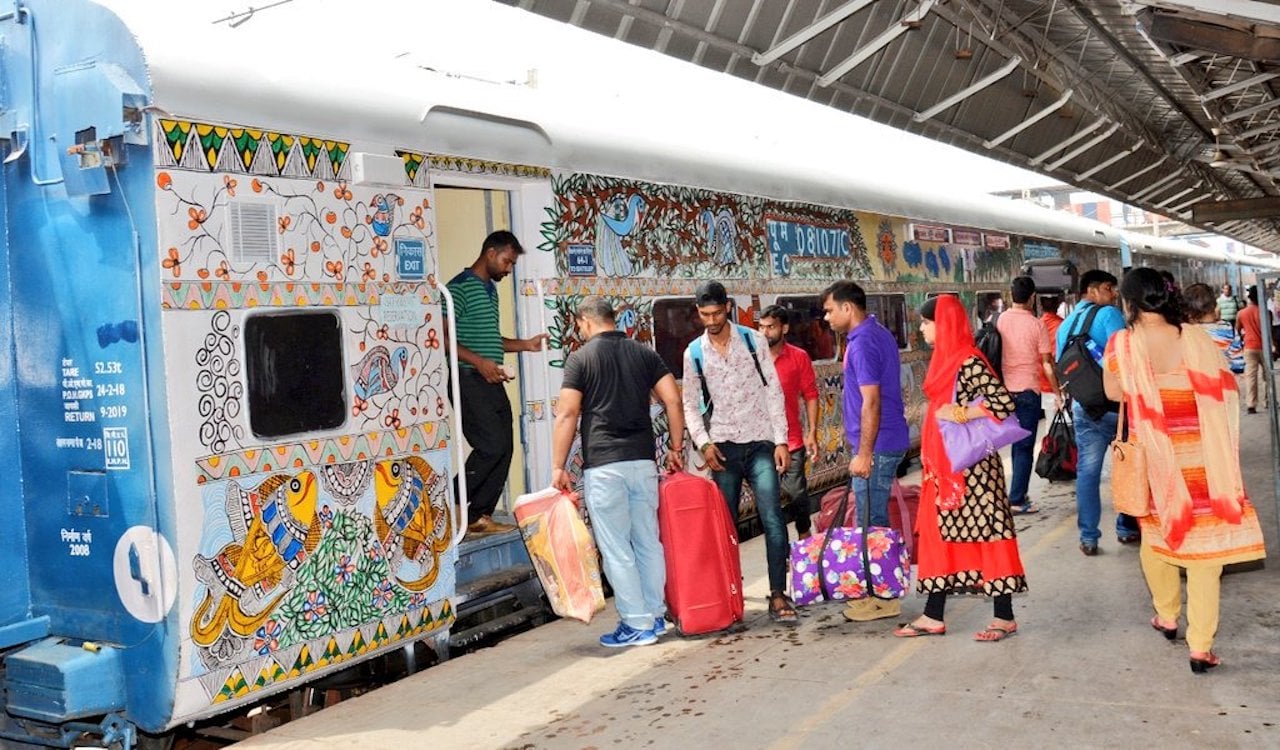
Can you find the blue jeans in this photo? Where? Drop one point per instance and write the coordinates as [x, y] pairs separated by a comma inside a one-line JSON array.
[[1093, 439], [1027, 408], [878, 486], [754, 463], [622, 498]]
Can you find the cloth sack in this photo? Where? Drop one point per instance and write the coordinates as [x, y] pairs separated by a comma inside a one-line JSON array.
[[563, 552], [969, 442], [850, 563], [1058, 453], [1130, 487]]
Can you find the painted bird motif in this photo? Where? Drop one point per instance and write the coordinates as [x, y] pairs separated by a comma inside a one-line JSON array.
[[275, 527], [722, 235], [610, 229], [384, 214], [411, 518], [379, 371]]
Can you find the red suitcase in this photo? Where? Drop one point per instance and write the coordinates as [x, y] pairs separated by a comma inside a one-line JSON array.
[[704, 573]]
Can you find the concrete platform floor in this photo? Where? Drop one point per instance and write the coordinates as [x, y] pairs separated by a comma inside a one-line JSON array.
[[1085, 670]]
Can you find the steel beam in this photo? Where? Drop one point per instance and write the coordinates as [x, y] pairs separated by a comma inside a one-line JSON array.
[[1217, 212], [1080, 135], [875, 45], [1232, 88], [1103, 165], [809, 32], [969, 90], [1104, 135], [1251, 111], [1139, 173], [1032, 120]]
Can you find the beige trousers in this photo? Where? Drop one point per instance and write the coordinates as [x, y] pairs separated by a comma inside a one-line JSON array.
[[1203, 584], [1255, 392]]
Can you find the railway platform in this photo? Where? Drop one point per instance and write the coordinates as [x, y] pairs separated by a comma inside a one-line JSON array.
[[1084, 670]]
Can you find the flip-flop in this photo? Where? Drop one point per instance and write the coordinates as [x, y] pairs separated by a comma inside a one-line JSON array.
[[911, 630], [994, 632], [786, 614], [1025, 510]]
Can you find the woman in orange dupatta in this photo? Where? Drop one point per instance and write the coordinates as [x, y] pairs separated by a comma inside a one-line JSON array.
[[1184, 410], [967, 540]]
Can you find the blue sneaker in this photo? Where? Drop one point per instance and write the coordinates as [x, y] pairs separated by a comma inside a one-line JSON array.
[[659, 627], [626, 635]]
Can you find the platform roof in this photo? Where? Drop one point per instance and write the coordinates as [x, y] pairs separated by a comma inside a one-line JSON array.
[[1170, 105]]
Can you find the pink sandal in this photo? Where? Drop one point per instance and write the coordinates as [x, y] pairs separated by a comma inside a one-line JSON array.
[[996, 632]]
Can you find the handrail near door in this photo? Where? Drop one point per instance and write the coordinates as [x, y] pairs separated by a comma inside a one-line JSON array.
[[451, 330], [1264, 316]]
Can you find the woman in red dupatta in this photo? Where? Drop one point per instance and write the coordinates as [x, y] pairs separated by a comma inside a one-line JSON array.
[[967, 539], [1184, 410]]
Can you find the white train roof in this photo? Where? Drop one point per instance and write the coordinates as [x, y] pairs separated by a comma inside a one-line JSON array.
[[410, 75]]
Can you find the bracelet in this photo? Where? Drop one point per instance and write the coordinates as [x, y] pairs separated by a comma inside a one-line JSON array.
[[959, 414]]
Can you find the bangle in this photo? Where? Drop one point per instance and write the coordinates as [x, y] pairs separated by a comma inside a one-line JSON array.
[[959, 414]]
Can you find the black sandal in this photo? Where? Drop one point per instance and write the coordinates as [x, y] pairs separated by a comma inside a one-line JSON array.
[[782, 609]]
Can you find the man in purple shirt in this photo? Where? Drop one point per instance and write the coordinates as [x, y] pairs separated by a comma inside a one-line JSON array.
[[875, 422]]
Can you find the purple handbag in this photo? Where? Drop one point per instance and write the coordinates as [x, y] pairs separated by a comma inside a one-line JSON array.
[[972, 441], [845, 563]]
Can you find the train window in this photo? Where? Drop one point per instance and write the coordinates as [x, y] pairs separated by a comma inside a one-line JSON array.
[[891, 311], [987, 304], [675, 324], [293, 364], [809, 329]]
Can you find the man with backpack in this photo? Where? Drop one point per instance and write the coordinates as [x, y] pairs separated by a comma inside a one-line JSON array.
[[1082, 339], [733, 408], [1027, 357]]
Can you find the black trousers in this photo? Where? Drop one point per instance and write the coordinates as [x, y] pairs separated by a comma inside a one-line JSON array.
[[486, 423]]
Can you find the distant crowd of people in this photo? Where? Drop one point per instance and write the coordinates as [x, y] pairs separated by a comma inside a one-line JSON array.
[[1158, 350]]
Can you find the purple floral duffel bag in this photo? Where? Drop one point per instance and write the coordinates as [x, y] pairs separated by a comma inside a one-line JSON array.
[[837, 570]]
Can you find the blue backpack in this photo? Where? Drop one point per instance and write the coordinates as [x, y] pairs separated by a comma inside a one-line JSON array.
[[706, 407]]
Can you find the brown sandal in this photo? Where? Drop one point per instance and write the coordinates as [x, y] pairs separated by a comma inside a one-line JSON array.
[[995, 632], [782, 609]]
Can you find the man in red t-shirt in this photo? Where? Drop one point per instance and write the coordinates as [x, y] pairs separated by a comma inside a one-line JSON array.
[[1249, 321], [796, 375], [1049, 304]]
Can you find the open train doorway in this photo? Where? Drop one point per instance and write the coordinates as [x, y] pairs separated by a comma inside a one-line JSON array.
[[464, 217]]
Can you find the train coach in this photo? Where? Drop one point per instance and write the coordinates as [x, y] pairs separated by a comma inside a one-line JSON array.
[[223, 370]]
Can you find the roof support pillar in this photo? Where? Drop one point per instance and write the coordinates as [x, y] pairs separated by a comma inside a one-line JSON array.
[[1084, 146], [1139, 173], [1032, 120], [875, 45], [968, 91], [1080, 135], [809, 32]]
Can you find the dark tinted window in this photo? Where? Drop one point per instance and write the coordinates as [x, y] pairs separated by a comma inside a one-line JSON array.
[[293, 362], [675, 324], [891, 311], [808, 327]]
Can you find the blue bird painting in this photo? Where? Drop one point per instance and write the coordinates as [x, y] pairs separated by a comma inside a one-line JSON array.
[[722, 235], [383, 216], [379, 371], [610, 229]]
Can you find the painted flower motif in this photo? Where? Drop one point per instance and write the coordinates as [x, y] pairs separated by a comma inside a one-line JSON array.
[[417, 601], [284, 222], [223, 271], [439, 406], [314, 606], [358, 405], [374, 553], [341, 192], [315, 246], [197, 217], [164, 181], [229, 184], [334, 268], [326, 516], [345, 568], [319, 187], [392, 420], [433, 339], [257, 185], [379, 247], [173, 262], [370, 273], [383, 332], [382, 595], [416, 218], [267, 639], [912, 253], [288, 260]]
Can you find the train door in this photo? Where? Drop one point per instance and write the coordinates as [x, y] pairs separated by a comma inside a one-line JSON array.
[[464, 217]]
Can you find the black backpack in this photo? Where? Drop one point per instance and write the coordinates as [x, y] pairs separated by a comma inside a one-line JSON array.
[[1079, 373], [988, 341]]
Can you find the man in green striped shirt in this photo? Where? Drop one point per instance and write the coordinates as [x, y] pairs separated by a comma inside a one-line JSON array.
[[486, 412]]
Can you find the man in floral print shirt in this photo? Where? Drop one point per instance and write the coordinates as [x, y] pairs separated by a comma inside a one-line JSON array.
[[743, 435]]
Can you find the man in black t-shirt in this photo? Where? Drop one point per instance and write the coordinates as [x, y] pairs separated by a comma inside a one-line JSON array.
[[607, 382]]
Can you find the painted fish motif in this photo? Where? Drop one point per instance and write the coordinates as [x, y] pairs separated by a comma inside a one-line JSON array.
[[411, 518], [275, 527]]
